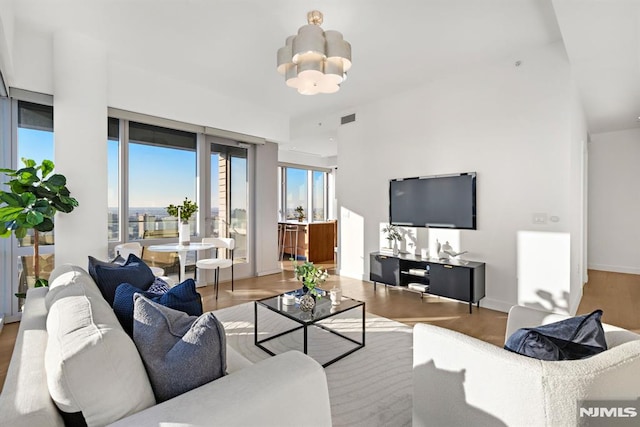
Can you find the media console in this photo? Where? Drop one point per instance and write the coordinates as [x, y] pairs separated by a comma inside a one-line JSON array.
[[456, 279]]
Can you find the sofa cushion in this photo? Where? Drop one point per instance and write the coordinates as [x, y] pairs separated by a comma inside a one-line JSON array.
[[109, 275], [68, 280], [570, 339], [182, 297], [180, 352], [92, 365]]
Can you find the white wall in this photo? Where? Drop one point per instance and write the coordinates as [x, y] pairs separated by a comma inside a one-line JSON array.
[[511, 125], [614, 204]]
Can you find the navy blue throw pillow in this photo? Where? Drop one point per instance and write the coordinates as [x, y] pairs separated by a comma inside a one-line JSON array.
[[108, 276], [571, 339], [182, 297]]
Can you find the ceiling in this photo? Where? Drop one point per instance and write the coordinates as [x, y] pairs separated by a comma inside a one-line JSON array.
[[230, 47]]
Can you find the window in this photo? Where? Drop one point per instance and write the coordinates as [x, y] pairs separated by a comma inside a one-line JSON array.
[[34, 141], [319, 196], [162, 171], [230, 195], [113, 179], [296, 191], [303, 187]]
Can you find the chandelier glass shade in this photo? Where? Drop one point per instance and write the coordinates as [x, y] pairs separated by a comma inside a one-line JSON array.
[[315, 61]]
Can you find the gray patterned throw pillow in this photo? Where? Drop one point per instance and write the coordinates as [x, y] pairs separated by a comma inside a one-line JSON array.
[[180, 352]]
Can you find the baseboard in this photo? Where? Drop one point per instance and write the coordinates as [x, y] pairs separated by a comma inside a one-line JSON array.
[[615, 268], [494, 304], [357, 276], [268, 272]]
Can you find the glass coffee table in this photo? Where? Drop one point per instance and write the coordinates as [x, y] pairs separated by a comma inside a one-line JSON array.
[[308, 320]]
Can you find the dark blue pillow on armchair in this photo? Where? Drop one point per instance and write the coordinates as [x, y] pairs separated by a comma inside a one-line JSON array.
[[108, 275], [570, 339], [182, 297]]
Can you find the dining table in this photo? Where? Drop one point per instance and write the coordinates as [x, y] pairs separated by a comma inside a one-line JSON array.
[[182, 250]]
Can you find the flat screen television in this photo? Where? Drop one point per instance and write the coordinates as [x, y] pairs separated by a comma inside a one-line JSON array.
[[440, 201]]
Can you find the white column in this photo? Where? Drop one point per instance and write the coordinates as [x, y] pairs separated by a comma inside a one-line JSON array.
[[80, 132], [266, 209]]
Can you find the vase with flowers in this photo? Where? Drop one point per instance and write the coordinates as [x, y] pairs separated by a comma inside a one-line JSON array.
[[183, 213], [311, 277]]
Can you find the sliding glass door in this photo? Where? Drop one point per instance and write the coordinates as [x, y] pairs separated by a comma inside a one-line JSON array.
[[229, 186]]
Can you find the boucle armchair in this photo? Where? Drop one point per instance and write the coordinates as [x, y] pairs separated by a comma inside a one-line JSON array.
[[460, 380]]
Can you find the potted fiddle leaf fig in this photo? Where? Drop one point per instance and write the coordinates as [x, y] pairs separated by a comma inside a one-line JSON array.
[[34, 197]]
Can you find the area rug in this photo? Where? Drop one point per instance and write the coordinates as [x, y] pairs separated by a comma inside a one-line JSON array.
[[370, 387]]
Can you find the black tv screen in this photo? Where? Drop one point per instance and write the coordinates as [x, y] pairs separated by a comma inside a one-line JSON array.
[[442, 201]]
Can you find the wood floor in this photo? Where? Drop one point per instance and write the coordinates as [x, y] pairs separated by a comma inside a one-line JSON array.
[[615, 293]]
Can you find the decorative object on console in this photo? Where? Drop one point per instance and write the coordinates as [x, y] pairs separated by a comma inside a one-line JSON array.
[[180, 352], [446, 251], [31, 204], [315, 61], [183, 213], [570, 339], [393, 236], [108, 276]]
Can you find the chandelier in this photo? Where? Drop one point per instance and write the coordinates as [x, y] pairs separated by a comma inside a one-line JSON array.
[[315, 61]]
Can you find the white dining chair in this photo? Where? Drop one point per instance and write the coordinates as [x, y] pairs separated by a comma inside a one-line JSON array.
[[126, 249], [217, 263]]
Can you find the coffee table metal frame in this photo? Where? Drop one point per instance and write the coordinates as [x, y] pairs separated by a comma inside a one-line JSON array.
[[276, 305]]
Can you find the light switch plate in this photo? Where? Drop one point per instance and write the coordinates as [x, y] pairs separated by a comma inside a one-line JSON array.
[[539, 218]]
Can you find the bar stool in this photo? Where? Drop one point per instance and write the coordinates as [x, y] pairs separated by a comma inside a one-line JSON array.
[[289, 232]]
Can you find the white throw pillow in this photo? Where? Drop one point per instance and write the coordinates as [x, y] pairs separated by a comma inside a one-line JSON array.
[[92, 365]]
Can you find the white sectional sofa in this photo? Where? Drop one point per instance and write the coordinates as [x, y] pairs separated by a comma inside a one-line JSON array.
[[461, 381], [99, 372]]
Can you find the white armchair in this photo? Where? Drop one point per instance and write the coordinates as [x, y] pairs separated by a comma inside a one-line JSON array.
[[460, 380]]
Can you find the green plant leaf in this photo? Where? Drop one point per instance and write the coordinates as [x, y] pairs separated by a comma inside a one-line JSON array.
[[28, 176], [60, 205], [55, 182], [27, 199], [40, 283], [8, 172], [45, 225], [17, 187], [34, 218], [47, 168], [9, 213], [29, 162], [43, 193], [20, 232], [11, 199], [4, 231], [21, 294]]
